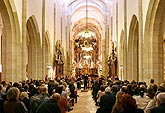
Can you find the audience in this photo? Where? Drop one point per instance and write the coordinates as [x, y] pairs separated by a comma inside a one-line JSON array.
[[60, 95]]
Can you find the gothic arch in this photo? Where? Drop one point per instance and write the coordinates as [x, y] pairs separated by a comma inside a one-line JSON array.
[[133, 49], [153, 41], [47, 52], [11, 45], [34, 49], [47, 44]]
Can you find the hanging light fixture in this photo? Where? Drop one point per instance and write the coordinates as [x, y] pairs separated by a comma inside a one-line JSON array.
[[87, 33]]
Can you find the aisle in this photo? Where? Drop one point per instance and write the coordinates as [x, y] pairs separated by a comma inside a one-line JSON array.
[[85, 103]]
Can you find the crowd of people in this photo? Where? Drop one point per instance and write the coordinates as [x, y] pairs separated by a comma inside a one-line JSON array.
[[37, 96], [60, 95], [115, 96]]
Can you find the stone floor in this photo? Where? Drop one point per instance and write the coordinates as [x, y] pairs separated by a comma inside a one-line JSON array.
[[85, 103]]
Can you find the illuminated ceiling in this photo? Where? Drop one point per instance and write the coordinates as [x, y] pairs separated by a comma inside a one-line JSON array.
[[98, 11]]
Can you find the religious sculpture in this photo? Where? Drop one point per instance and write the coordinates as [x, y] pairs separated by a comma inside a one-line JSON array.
[[58, 59], [112, 63]]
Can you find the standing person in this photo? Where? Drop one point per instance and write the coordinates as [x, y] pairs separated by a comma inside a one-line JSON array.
[[107, 102], [85, 82], [161, 104], [72, 89], [50, 106], [78, 83]]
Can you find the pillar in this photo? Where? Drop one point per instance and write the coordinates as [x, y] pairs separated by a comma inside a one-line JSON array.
[[24, 39], [43, 41], [125, 40], [140, 13]]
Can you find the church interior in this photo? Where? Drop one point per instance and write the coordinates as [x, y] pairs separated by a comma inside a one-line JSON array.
[[121, 38], [46, 39]]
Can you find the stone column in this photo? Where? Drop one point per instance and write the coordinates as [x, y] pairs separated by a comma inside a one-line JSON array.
[[117, 22], [125, 40], [24, 39], [140, 13], [104, 55], [43, 41], [117, 38], [54, 41]]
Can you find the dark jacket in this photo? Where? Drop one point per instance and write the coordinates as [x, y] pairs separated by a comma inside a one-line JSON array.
[[135, 111], [14, 107], [107, 102], [159, 109], [49, 106]]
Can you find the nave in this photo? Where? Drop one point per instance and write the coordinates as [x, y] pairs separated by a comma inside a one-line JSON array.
[[85, 103]]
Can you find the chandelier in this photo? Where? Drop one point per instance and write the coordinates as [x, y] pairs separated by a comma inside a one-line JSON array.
[[87, 33]]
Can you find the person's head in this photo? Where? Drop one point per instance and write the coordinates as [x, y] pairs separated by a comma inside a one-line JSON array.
[[152, 81], [107, 90], [102, 88], [13, 93], [160, 98], [26, 87], [59, 90], [128, 103], [23, 95], [43, 89], [124, 89], [114, 88], [16, 84], [119, 97], [55, 97], [142, 91]]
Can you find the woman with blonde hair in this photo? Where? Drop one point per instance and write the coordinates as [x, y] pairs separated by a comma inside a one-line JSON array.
[[13, 105], [117, 108]]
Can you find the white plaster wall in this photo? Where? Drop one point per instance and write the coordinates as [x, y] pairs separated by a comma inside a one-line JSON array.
[[34, 7], [49, 24]]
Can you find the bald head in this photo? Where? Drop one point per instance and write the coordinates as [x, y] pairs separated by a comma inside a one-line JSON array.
[[56, 97], [161, 98]]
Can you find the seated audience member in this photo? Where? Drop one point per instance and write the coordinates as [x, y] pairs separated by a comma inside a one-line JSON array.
[[107, 102], [36, 100], [117, 108], [62, 101], [129, 104], [25, 99], [142, 100], [114, 89], [161, 104], [50, 106], [100, 93], [152, 104], [13, 105]]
